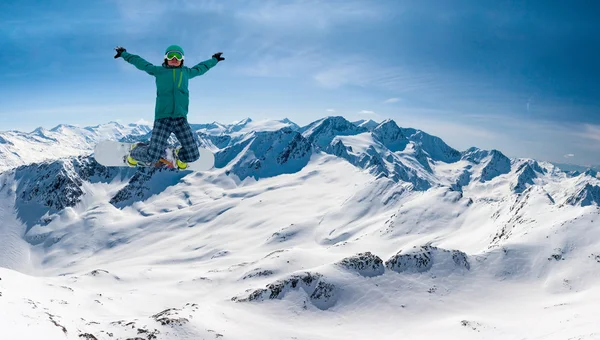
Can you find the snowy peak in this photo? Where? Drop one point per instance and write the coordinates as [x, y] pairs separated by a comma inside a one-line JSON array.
[[575, 169], [114, 130], [213, 128], [527, 172], [367, 124], [390, 135], [290, 124], [339, 149], [365, 151], [323, 131], [115, 124], [435, 147], [63, 127], [237, 130], [588, 195], [237, 126], [243, 122], [138, 129], [396, 139], [487, 165], [474, 155], [497, 164], [266, 154], [591, 172]]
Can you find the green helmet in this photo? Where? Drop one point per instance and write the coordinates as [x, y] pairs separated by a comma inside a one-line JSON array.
[[174, 48]]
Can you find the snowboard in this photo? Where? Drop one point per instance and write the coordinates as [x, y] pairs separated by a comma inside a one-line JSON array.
[[114, 153]]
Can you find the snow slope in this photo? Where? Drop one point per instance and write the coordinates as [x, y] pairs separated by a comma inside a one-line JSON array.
[[329, 231]]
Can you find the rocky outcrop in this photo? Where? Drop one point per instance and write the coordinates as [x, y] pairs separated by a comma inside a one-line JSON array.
[[319, 292], [422, 259], [364, 264]]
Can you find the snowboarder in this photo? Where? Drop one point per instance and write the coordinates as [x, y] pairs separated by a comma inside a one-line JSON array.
[[171, 108]]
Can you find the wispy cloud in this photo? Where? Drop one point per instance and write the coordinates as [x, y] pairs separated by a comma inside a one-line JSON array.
[[138, 16], [360, 71], [308, 14], [391, 101], [462, 134], [355, 71], [590, 132], [279, 61], [569, 155], [330, 110], [366, 112]]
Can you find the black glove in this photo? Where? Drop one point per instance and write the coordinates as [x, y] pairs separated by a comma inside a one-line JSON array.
[[218, 56], [119, 50]]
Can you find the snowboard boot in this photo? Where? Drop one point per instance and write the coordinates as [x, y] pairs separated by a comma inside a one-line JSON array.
[[130, 160], [180, 164]]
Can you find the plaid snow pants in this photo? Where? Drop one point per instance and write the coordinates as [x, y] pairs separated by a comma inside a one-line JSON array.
[[159, 141]]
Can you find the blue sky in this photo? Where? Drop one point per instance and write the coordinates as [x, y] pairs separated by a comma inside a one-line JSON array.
[[520, 77]]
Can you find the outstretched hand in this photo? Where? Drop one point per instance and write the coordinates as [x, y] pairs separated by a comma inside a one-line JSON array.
[[218, 56], [119, 50]]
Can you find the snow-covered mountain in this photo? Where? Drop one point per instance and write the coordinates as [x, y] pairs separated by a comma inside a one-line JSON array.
[[369, 124], [334, 230], [19, 148], [244, 126], [576, 169]]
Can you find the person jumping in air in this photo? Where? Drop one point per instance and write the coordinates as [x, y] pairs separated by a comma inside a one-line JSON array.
[[171, 109]]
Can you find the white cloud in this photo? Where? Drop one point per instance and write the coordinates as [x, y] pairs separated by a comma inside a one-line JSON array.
[[569, 155], [367, 112], [143, 121], [392, 100], [330, 110]]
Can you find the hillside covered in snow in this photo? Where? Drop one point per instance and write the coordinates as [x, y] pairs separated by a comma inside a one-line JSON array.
[[333, 230]]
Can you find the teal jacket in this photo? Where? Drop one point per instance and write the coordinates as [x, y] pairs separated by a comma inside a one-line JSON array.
[[172, 95]]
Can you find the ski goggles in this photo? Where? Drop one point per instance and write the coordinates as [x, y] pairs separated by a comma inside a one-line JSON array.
[[174, 54]]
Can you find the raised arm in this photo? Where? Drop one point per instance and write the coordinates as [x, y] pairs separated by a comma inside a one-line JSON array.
[[204, 66], [137, 61]]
